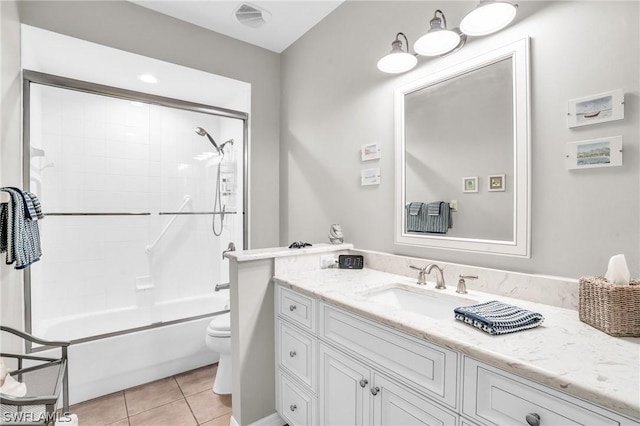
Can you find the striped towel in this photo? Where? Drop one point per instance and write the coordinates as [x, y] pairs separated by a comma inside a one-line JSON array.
[[414, 208], [19, 235], [433, 209], [433, 224], [498, 318]]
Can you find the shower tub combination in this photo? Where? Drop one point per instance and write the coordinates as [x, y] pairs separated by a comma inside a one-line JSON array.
[[138, 211]]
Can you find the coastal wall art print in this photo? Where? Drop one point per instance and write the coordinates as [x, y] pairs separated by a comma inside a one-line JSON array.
[[603, 152], [594, 109]]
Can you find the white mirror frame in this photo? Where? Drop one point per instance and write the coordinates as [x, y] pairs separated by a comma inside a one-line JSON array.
[[520, 244]]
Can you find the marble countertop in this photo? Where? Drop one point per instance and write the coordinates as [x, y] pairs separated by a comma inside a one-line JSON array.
[[563, 353], [270, 253]]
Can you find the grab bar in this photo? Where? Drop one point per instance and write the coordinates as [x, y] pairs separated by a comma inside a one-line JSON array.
[[100, 214], [185, 213], [150, 247]]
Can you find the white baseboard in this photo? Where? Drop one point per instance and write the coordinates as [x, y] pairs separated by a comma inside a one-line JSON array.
[[271, 420]]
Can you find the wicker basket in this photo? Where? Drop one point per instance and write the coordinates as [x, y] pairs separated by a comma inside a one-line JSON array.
[[614, 309]]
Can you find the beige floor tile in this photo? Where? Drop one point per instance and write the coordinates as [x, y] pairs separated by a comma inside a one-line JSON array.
[[207, 405], [176, 413], [151, 395], [220, 421], [199, 380], [123, 422], [101, 411]]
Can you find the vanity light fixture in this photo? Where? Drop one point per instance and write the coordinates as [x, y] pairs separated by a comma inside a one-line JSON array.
[[398, 60], [438, 40], [488, 17]]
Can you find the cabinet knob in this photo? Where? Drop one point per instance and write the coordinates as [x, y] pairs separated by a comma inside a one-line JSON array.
[[292, 308], [374, 391], [292, 354], [293, 407], [533, 419], [363, 383]]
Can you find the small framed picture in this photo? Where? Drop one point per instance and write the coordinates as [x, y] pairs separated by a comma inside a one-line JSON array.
[[496, 183], [370, 152], [370, 177], [594, 109], [588, 154], [470, 184]]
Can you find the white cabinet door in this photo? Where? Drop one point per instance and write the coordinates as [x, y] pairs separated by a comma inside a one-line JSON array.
[[343, 389], [395, 405]]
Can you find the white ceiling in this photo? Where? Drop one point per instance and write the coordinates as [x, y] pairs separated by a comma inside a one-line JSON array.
[[289, 19]]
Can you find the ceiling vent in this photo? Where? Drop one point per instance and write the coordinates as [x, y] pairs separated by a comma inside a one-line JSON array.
[[251, 16]]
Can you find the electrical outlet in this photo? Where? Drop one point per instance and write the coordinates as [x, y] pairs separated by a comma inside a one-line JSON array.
[[328, 261]]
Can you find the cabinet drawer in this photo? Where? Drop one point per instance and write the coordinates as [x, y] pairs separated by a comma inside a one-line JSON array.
[[297, 308], [427, 367], [295, 406], [297, 354], [495, 397]]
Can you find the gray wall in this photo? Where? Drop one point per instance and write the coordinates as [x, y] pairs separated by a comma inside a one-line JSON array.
[[334, 100], [10, 124], [129, 27]]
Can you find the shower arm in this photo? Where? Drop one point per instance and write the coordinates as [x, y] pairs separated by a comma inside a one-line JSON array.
[[150, 247]]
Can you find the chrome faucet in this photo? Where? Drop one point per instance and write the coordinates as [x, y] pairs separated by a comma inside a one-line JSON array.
[[231, 247], [422, 275], [439, 276]]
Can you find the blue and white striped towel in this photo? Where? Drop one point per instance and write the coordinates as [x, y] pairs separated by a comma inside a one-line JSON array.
[[19, 234], [498, 318], [433, 209]]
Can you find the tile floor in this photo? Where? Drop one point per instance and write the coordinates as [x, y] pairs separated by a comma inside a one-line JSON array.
[[182, 400]]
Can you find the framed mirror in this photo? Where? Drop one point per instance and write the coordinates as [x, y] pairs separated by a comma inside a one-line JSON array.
[[462, 156]]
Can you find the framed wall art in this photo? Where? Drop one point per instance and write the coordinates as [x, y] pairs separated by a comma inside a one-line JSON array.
[[588, 154], [496, 183], [470, 184], [595, 109]]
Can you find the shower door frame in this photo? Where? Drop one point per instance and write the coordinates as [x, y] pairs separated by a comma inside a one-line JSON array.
[[29, 77]]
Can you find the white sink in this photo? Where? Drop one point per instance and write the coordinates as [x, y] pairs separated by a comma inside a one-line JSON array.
[[430, 303]]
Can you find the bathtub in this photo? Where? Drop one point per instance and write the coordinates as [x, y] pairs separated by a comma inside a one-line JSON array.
[[109, 364]]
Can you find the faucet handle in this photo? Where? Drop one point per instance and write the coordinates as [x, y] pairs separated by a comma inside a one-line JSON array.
[[422, 274], [462, 285]]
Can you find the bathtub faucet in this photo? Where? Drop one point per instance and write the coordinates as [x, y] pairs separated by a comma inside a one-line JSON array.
[[222, 286]]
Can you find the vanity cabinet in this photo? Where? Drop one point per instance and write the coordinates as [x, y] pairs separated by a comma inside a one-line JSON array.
[[338, 368]]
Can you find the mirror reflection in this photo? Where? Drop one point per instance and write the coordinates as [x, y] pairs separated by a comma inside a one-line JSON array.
[[462, 155], [458, 129]]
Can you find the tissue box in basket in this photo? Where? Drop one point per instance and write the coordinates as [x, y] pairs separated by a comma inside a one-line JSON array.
[[614, 309]]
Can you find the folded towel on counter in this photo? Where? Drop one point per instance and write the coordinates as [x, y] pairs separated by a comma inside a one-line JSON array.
[[498, 318], [19, 234], [414, 208]]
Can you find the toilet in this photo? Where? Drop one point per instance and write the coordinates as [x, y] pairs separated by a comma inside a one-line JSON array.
[[218, 338]]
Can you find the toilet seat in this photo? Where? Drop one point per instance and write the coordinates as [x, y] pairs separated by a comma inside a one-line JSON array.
[[220, 326]]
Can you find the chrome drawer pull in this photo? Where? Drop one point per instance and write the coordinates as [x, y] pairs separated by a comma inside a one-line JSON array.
[[533, 419], [293, 407], [292, 308], [374, 391], [292, 354], [363, 383]]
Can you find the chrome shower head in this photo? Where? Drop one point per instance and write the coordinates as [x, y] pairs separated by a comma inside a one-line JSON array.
[[203, 132]]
